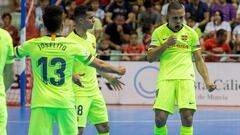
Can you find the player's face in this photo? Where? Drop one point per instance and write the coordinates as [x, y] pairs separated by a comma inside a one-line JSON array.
[[175, 19], [89, 20]]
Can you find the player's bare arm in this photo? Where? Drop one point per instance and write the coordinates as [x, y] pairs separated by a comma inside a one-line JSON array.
[[154, 53], [105, 67], [202, 69]]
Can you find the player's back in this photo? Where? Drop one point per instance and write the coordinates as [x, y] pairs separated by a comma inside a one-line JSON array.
[[6, 51], [52, 64]]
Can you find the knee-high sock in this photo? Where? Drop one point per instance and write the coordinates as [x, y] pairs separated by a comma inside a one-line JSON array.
[[160, 131], [186, 130]]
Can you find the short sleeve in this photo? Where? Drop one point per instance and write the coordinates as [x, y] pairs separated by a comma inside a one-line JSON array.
[[155, 42], [195, 45], [22, 51], [10, 53], [83, 55]]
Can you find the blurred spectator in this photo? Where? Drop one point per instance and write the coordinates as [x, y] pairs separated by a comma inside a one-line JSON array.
[[217, 45], [70, 8], [228, 10], [118, 31], [193, 24], [236, 21], [137, 8], [119, 7], [208, 2], [200, 11], [68, 24], [7, 18], [99, 13], [104, 50], [149, 16], [146, 39], [38, 18], [16, 5], [104, 3], [218, 23], [235, 3], [55, 2], [164, 11], [236, 40], [81, 2], [97, 28], [133, 48]]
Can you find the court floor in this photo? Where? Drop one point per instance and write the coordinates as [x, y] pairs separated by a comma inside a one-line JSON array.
[[140, 120]]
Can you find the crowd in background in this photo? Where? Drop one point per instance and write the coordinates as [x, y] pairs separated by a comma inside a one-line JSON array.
[[125, 26]]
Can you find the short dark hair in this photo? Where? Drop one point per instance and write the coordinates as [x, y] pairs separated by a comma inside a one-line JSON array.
[[174, 5], [7, 14], [220, 32], [80, 12], [133, 32], [52, 18]]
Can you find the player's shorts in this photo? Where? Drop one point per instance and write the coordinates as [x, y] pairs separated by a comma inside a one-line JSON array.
[[3, 115], [42, 120], [92, 109], [169, 91]]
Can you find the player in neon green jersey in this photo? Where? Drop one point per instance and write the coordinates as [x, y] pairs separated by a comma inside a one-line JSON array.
[[52, 63], [174, 44], [89, 100], [6, 75]]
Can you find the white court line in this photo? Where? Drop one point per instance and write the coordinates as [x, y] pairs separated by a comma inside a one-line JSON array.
[[150, 121]]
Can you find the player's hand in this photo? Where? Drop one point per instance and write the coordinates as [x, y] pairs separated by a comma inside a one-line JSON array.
[[211, 86], [116, 83], [172, 40], [121, 70], [76, 79]]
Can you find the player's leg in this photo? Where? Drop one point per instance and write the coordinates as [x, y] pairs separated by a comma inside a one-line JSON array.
[[82, 108], [3, 115], [66, 120], [187, 119], [41, 121], [187, 105], [163, 105], [160, 127], [98, 115]]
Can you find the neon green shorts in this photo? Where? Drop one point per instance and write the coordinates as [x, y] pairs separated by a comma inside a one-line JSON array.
[[169, 91], [42, 120], [91, 108], [3, 115]]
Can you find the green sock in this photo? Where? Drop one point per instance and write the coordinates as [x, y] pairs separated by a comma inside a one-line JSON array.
[[186, 130], [103, 133], [160, 131]]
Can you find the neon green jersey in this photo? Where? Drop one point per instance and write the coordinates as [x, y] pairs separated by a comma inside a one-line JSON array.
[[6, 55], [89, 78], [176, 61], [52, 64]]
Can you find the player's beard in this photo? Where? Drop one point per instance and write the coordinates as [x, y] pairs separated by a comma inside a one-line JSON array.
[[177, 27]]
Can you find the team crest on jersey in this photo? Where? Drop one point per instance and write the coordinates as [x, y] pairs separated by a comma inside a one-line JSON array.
[[184, 37]]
